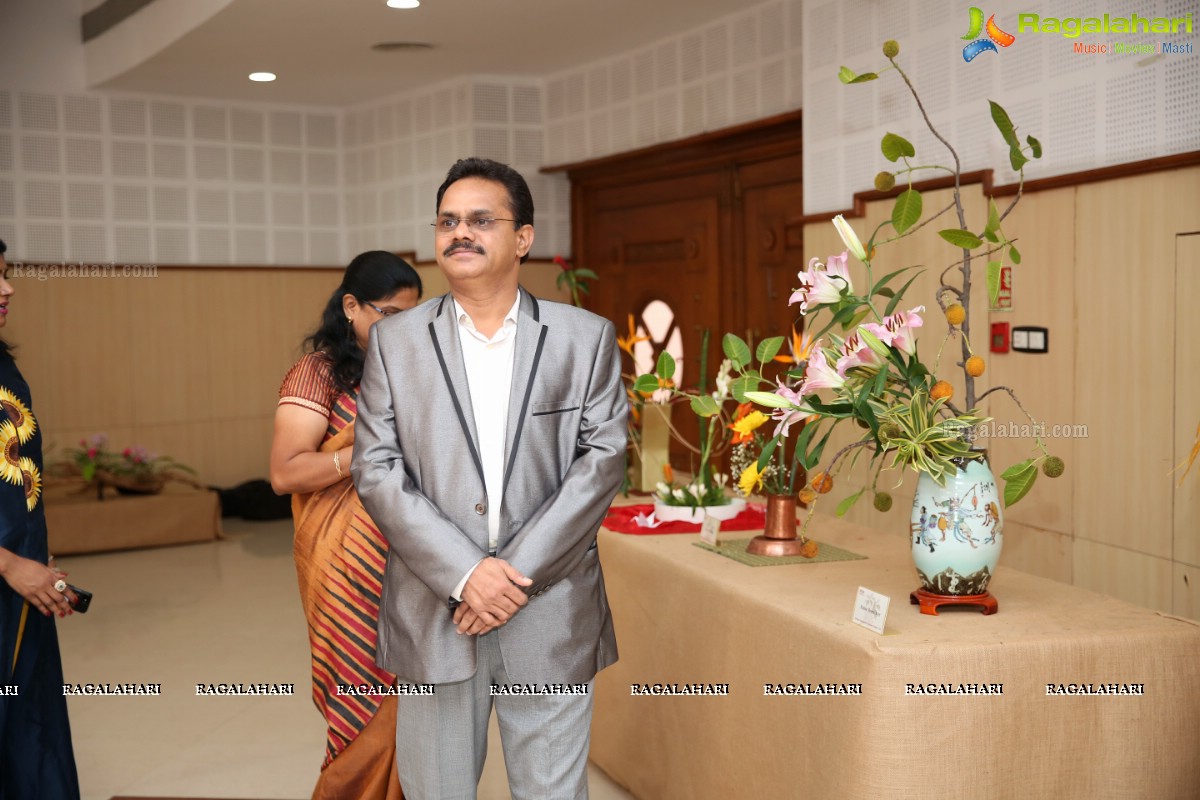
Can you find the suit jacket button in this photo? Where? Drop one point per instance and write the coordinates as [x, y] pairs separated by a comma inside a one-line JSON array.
[[480, 508]]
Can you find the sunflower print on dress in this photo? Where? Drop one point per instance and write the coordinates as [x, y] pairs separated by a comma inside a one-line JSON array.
[[32, 480], [17, 414], [10, 447]]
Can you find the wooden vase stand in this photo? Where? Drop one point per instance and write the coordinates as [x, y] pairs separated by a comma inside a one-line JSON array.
[[930, 602]]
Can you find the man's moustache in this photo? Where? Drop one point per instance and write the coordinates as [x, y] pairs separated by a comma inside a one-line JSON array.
[[470, 248]]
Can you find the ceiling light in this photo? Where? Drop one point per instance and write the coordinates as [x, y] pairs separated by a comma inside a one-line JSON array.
[[262, 77], [403, 3]]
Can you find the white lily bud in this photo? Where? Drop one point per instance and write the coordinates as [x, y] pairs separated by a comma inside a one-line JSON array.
[[849, 237]]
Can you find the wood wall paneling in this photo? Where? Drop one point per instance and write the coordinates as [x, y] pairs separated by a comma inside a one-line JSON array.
[[187, 363], [703, 225], [1186, 512]]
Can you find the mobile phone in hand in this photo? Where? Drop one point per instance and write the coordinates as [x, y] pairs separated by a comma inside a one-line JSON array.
[[83, 599]]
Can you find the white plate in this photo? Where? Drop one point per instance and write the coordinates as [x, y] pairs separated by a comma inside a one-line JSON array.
[[668, 513]]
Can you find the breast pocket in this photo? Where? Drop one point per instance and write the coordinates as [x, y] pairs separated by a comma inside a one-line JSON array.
[[553, 407]]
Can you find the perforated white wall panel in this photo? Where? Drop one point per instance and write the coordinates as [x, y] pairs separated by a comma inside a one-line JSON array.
[[122, 179], [1088, 110]]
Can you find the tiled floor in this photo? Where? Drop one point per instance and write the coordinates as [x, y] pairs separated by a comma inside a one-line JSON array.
[[226, 612]]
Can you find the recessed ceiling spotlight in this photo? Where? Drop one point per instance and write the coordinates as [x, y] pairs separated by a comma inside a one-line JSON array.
[[390, 47], [262, 77], [403, 3]]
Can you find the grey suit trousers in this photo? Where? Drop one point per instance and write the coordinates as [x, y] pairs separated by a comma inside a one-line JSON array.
[[441, 740]]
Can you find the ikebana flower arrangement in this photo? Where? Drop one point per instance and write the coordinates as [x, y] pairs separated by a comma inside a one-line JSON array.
[[134, 469], [707, 487], [864, 367]]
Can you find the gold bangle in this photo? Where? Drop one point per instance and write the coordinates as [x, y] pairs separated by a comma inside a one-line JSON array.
[[337, 462]]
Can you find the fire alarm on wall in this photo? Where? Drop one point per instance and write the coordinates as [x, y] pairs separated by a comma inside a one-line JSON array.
[[999, 343]]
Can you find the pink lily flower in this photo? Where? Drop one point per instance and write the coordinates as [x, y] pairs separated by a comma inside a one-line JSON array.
[[786, 417], [898, 330], [822, 283], [856, 353], [819, 375]]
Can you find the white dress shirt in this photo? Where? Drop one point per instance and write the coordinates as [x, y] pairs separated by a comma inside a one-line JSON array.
[[489, 364]]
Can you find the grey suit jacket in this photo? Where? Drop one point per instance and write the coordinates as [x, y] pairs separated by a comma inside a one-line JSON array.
[[417, 469]]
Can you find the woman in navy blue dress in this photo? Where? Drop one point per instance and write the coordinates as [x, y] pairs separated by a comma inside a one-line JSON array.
[[36, 758]]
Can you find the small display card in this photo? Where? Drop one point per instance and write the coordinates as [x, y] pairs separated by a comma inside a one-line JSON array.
[[709, 529], [871, 609]]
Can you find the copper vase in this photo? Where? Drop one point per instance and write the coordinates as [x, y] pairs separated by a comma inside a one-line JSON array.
[[779, 532]]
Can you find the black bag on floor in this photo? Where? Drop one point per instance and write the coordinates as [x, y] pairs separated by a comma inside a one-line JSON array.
[[254, 500]]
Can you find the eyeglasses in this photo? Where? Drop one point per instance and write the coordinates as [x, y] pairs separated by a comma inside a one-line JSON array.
[[381, 312], [448, 225]]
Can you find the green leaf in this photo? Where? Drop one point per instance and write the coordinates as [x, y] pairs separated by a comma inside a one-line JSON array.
[[848, 503], [584, 272], [88, 471], [907, 210], [1019, 484], [961, 238], [993, 282], [1035, 146], [894, 146], [768, 348], [814, 457], [866, 76], [845, 75], [882, 282], [1017, 469], [993, 223], [1014, 254], [1004, 124], [857, 319], [666, 365], [768, 450], [1017, 158], [767, 400], [646, 384], [891, 306], [704, 406], [736, 350], [741, 385]]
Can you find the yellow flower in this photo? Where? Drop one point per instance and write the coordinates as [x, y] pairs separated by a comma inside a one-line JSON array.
[[751, 479], [33, 482], [749, 423], [10, 458], [16, 412]]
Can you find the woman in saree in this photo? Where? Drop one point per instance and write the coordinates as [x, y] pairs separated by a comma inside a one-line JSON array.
[[340, 554], [37, 761]]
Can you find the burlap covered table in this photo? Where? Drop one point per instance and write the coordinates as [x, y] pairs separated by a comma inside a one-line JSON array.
[[687, 616]]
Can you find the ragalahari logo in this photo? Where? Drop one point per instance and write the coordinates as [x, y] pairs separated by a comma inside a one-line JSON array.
[[995, 36]]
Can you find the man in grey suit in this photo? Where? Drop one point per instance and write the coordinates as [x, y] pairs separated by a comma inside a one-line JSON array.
[[490, 440]]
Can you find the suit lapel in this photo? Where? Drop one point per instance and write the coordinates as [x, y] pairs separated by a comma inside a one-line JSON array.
[[443, 332], [531, 338]]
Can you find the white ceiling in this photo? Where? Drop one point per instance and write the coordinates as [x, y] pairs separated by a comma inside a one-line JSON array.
[[321, 49]]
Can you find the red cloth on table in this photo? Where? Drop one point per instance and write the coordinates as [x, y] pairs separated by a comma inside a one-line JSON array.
[[620, 519]]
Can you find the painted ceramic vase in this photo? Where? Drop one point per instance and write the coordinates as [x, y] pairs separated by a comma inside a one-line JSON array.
[[956, 530]]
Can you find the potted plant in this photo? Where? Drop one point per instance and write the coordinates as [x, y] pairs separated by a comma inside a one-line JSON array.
[[134, 470]]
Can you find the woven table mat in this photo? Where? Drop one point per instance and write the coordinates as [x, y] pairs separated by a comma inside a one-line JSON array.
[[736, 549]]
